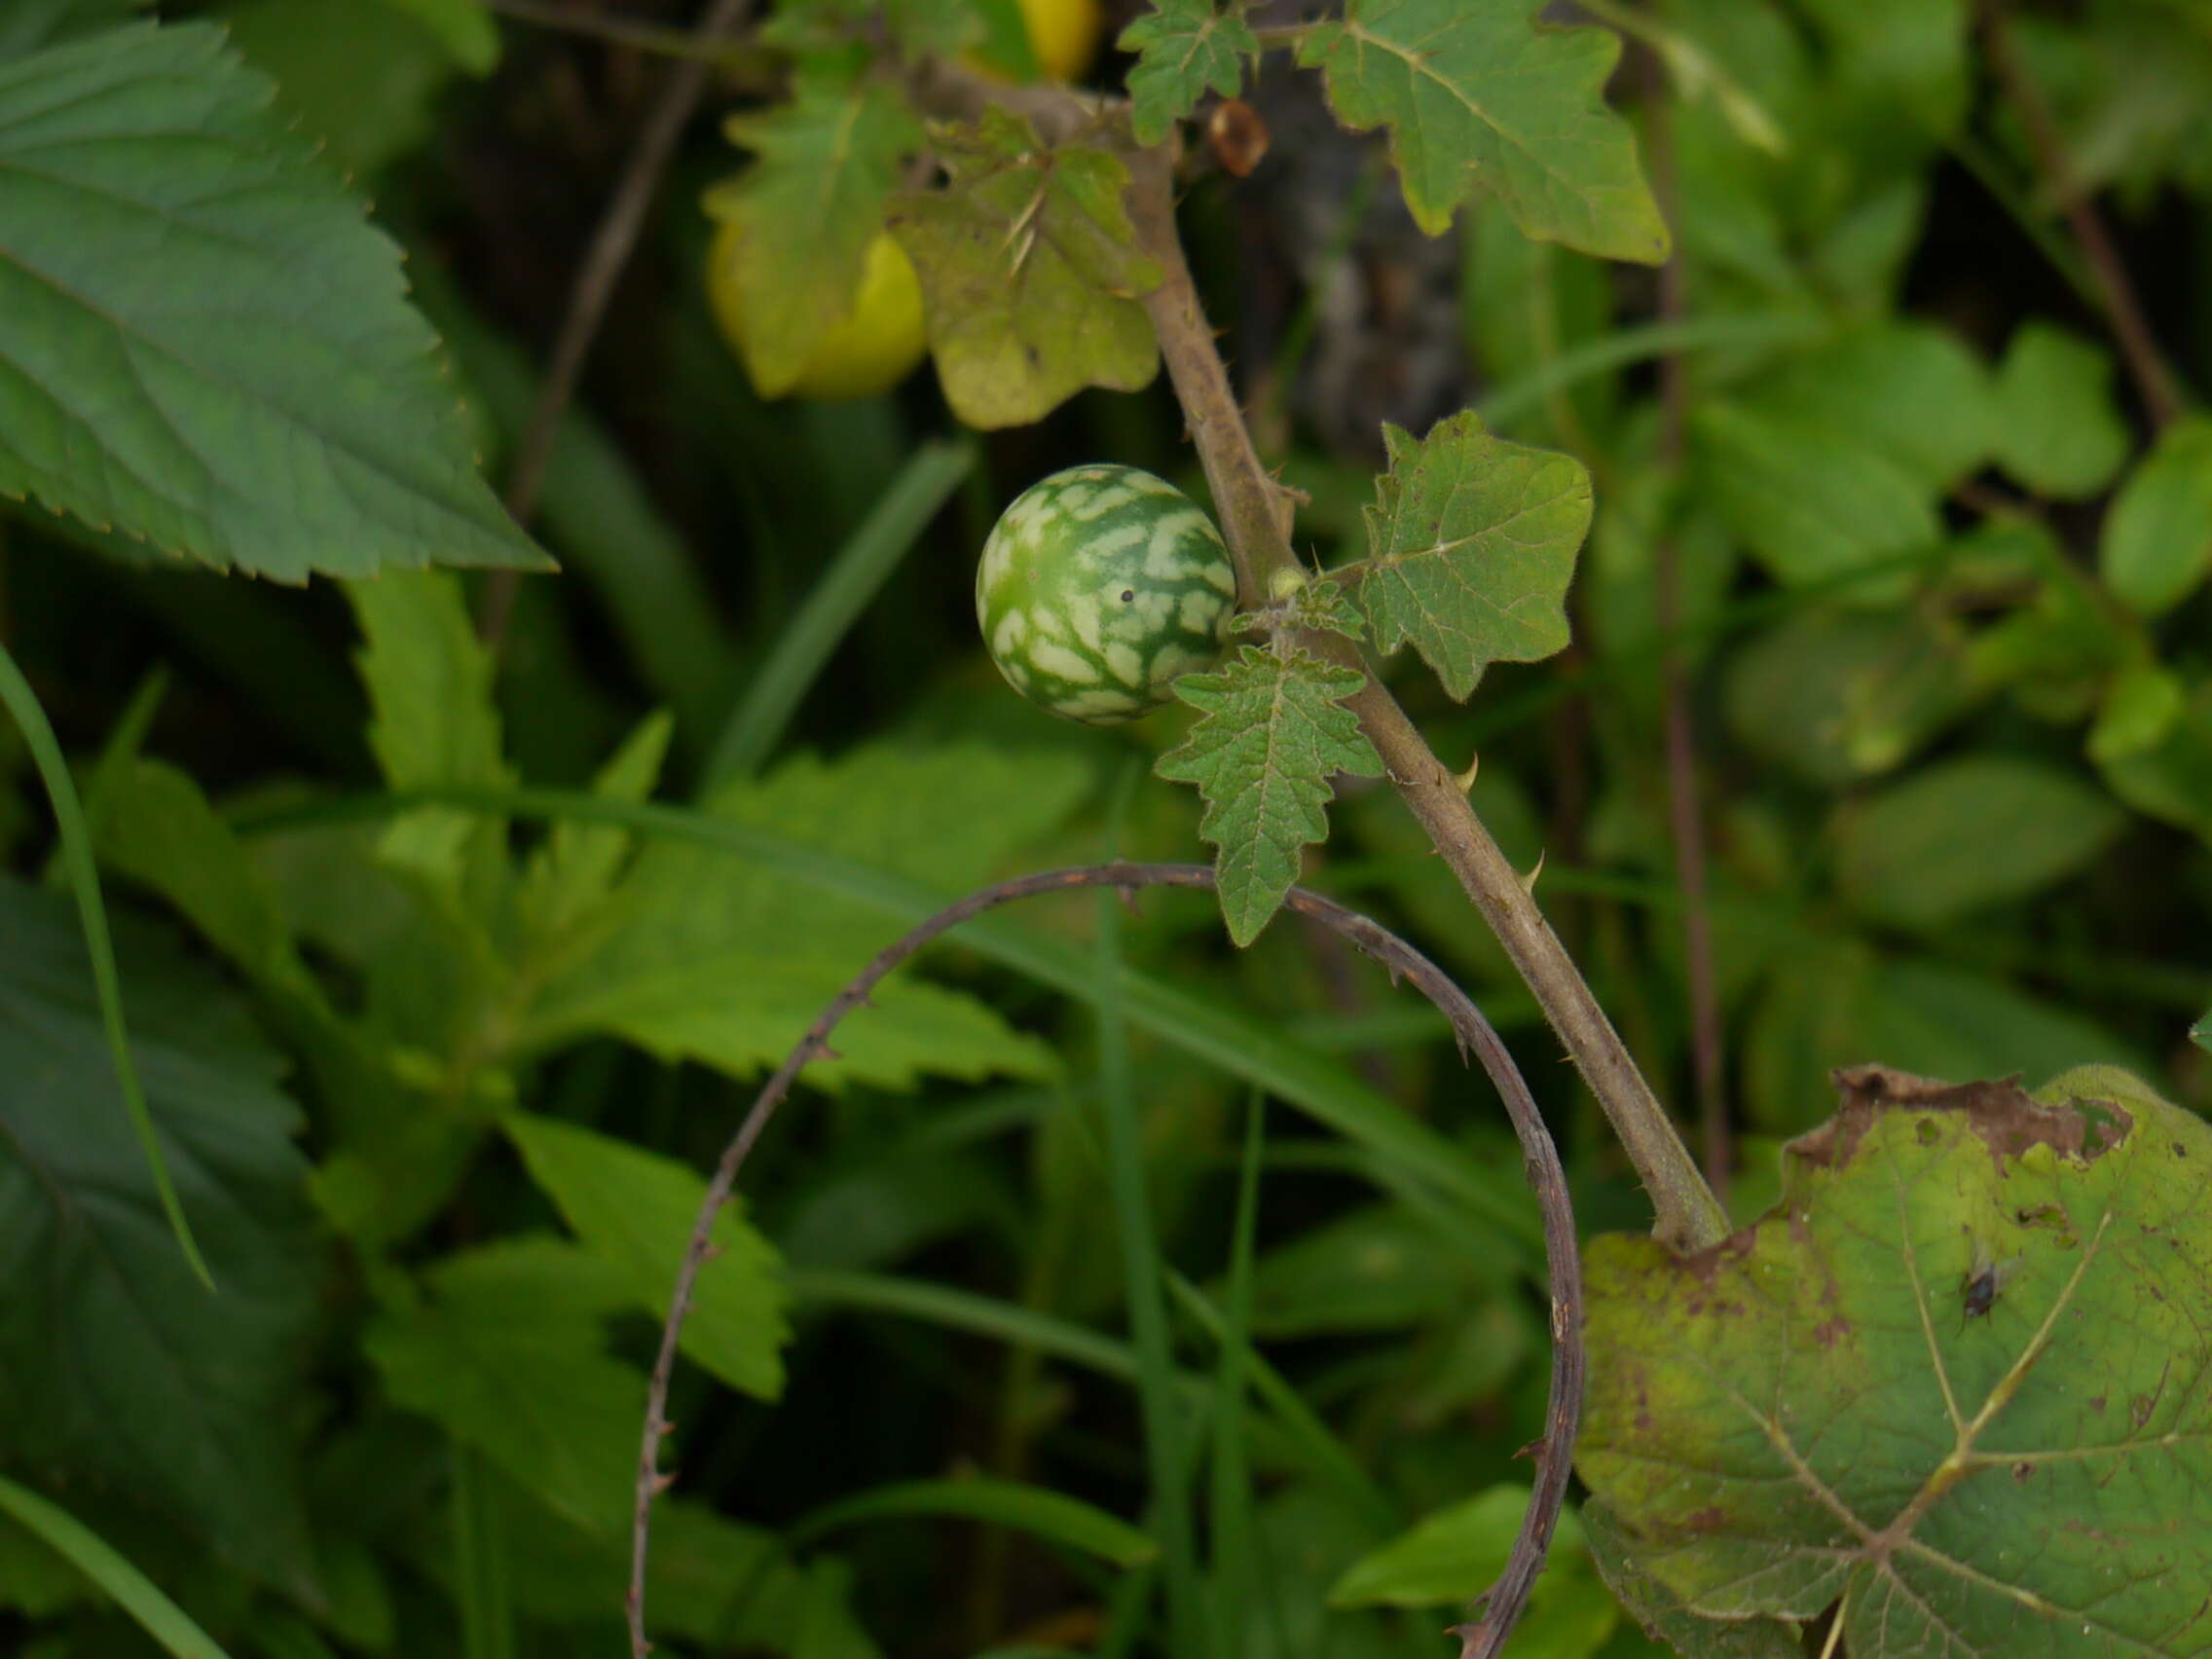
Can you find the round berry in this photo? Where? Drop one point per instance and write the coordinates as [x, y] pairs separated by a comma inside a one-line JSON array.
[[1098, 586]]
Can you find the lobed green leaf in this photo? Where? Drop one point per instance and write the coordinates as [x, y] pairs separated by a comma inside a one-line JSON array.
[[825, 165], [1904, 1389], [1480, 97], [634, 1210], [1029, 273], [1183, 48], [505, 1350], [1471, 545], [1272, 733]]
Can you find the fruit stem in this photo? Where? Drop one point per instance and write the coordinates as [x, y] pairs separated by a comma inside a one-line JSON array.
[[1254, 509]]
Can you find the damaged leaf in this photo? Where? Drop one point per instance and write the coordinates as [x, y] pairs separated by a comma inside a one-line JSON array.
[[1957, 1381]]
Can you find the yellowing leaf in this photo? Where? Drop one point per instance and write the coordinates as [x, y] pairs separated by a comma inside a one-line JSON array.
[[1479, 96], [809, 206], [1029, 273], [1274, 734]]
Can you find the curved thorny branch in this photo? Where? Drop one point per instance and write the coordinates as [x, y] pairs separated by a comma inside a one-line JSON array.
[[1496, 1612]]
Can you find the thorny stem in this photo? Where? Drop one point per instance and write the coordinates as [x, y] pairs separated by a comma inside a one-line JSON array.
[[1686, 820], [2145, 363], [1496, 1612], [602, 268], [1253, 510]]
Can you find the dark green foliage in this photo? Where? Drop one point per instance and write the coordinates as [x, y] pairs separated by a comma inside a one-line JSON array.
[[452, 951]]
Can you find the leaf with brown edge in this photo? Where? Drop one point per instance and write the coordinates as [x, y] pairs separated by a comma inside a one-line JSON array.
[[1956, 1381]]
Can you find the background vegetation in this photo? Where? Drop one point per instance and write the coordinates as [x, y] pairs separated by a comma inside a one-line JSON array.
[[1887, 734]]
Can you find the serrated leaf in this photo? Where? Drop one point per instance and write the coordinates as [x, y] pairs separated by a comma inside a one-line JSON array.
[[1966, 833], [1952, 1380], [116, 1363], [361, 77], [28, 24], [1479, 96], [1471, 545], [507, 1351], [715, 960], [1324, 605], [1272, 733], [1029, 273], [2157, 547], [1183, 48], [825, 165], [2058, 430], [569, 876], [634, 1210], [174, 259]]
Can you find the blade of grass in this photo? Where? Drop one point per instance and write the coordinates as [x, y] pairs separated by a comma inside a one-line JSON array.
[[963, 1310], [1230, 1503], [1044, 1514], [1164, 1419], [859, 568], [90, 1554], [480, 1563], [1304, 1438], [1411, 1156], [1326, 1455], [77, 855], [125, 739], [1641, 343]]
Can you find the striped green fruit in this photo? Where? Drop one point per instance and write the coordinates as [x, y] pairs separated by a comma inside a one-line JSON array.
[[1098, 587]]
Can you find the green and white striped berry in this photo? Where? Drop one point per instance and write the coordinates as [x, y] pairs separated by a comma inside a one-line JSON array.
[[1098, 586]]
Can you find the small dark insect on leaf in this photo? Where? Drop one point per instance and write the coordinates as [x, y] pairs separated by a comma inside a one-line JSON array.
[[1238, 136], [1982, 1287]]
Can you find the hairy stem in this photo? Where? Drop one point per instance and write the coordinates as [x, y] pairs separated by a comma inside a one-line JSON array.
[[1253, 510]]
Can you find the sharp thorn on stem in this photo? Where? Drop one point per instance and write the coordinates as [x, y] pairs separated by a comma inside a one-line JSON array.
[[1528, 882]]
